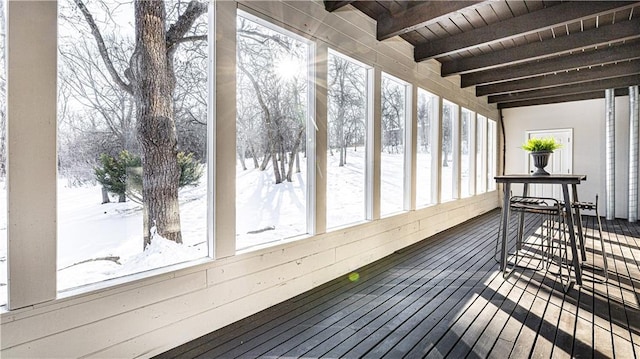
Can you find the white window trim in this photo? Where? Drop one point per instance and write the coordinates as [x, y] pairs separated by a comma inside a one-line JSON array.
[[407, 136]]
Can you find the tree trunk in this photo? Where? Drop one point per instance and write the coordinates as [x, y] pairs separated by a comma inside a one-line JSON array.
[[152, 84], [265, 161], [254, 156], [294, 152], [153, 88], [105, 195], [241, 159], [276, 171], [122, 197]]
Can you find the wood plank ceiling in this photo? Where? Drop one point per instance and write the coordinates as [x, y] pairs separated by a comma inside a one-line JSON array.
[[519, 53]]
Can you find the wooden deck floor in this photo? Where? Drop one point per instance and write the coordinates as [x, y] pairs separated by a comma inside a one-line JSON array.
[[444, 297]]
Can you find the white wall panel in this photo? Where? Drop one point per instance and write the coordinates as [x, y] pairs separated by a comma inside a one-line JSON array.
[[587, 119]]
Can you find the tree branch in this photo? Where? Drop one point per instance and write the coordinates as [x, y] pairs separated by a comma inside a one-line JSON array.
[[190, 39], [177, 31], [102, 48]]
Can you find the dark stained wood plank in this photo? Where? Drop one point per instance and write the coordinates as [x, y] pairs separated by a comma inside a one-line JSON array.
[[320, 337], [545, 337], [528, 317], [564, 339], [551, 17], [626, 30], [628, 273], [445, 297], [559, 99], [618, 316], [487, 14], [562, 80], [420, 15], [496, 305], [603, 56], [577, 88], [285, 335], [331, 6], [502, 331]]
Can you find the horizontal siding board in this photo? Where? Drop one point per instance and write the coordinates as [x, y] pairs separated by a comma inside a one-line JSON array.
[[77, 316]]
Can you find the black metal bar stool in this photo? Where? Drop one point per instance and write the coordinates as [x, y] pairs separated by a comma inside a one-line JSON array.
[[546, 227], [593, 207]]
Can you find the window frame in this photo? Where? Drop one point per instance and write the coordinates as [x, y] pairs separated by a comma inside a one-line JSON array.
[[481, 154], [368, 129], [471, 186], [407, 141], [455, 151], [310, 130], [435, 145]]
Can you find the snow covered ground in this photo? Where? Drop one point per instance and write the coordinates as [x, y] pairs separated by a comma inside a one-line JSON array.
[[98, 241]]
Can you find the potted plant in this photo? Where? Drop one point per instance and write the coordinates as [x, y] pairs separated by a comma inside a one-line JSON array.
[[541, 149]]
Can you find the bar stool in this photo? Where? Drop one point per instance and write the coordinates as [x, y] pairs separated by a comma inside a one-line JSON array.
[[593, 207], [546, 227]]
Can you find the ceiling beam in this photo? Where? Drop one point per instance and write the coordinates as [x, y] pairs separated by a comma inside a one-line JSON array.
[[331, 6], [560, 99], [547, 18], [597, 85], [571, 77], [602, 56], [420, 15], [624, 30]]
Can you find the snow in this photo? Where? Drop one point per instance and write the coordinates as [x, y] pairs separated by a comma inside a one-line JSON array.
[[97, 242]]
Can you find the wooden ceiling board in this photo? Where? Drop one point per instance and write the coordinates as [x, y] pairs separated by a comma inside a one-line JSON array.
[[529, 38], [536, 5], [373, 9], [449, 27], [607, 19], [487, 15], [502, 10], [462, 22], [575, 27], [425, 33], [437, 32], [474, 19], [520, 49], [518, 8], [396, 6]]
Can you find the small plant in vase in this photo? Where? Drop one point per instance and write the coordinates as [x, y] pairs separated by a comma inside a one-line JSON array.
[[541, 149]]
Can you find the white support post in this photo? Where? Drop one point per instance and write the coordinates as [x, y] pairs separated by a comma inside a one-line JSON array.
[[610, 151], [224, 209], [31, 149], [633, 153]]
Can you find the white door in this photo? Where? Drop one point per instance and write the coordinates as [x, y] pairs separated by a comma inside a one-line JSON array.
[[560, 162]]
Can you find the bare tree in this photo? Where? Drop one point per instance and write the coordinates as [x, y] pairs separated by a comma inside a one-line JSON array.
[[393, 107], [273, 109], [346, 105], [150, 79]]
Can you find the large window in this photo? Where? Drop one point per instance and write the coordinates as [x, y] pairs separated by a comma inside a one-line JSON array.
[[348, 120], [492, 148], [272, 102], [132, 141], [467, 152], [3, 156], [426, 157], [481, 154], [393, 159], [449, 167]]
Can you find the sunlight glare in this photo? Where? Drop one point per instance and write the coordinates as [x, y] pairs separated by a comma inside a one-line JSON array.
[[288, 68]]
